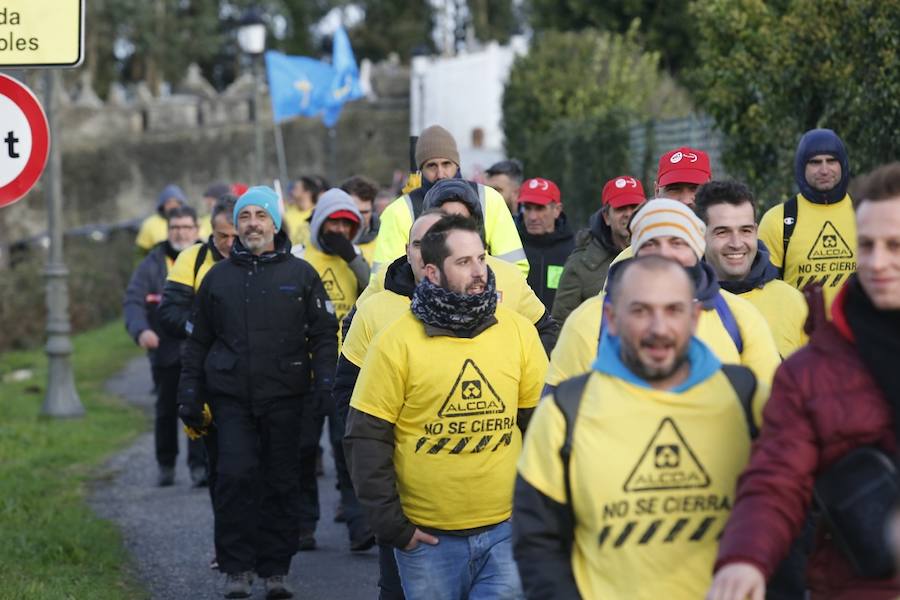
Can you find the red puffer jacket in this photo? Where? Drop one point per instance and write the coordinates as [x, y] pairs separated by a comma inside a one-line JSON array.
[[824, 404]]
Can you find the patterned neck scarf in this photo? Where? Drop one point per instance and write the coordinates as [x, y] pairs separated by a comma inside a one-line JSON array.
[[459, 313]]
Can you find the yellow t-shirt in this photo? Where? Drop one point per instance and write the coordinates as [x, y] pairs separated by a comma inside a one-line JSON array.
[[513, 290], [296, 225], [154, 229], [785, 310], [338, 279], [378, 311], [577, 345], [822, 247], [453, 402], [653, 476], [183, 270]]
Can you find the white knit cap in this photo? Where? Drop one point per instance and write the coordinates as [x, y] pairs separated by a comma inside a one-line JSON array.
[[665, 217]]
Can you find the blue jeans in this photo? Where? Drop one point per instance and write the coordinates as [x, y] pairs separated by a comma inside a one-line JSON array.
[[476, 567]]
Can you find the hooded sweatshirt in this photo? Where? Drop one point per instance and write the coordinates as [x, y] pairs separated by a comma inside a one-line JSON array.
[[343, 281], [822, 248]]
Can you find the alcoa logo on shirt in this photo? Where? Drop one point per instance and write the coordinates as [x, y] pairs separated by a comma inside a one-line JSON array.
[[621, 182], [679, 156]]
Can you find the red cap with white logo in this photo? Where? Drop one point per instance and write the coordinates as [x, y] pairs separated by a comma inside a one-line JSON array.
[[539, 191], [624, 190], [683, 165]]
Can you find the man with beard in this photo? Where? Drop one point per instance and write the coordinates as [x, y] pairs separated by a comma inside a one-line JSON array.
[[811, 237], [741, 261], [142, 300], [669, 427], [830, 400], [262, 350], [432, 451], [732, 327], [381, 308], [585, 270], [437, 159]]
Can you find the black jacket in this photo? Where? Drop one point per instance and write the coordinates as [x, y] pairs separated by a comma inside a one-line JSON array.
[[141, 304], [263, 331], [547, 255], [177, 298]]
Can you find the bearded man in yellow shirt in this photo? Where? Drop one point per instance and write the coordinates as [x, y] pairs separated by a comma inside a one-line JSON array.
[[435, 421]]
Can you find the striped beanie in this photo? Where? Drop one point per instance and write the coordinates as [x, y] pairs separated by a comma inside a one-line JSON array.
[[664, 217]]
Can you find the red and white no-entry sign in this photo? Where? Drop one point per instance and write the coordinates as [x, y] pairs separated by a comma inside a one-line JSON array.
[[24, 140]]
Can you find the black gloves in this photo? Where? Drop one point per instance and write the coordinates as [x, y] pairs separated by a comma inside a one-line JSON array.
[[324, 402], [335, 243], [192, 415]]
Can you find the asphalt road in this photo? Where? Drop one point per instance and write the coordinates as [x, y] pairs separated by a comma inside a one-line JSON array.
[[168, 531]]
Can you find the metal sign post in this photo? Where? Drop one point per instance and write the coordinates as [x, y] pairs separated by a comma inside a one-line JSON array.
[[41, 34]]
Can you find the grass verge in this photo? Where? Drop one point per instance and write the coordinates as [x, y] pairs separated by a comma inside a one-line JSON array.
[[51, 544]]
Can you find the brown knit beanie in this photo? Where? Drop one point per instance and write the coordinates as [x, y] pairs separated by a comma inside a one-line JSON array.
[[436, 142]]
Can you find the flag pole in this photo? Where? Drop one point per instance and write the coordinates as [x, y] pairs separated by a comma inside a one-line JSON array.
[[332, 153], [279, 150]]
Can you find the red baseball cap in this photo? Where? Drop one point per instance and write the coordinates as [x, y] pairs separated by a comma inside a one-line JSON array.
[[539, 191], [624, 190], [683, 165], [344, 214]]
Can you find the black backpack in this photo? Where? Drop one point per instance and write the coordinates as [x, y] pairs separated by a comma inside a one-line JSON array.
[[789, 223]]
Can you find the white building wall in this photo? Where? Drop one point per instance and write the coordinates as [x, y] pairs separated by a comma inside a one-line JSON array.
[[463, 93]]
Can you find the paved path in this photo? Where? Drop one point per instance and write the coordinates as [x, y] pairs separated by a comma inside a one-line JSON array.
[[168, 531]]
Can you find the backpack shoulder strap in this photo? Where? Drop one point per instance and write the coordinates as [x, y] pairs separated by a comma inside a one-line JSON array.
[[790, 222], [201, 256], [568, 398], [743, 381], [729, 322]]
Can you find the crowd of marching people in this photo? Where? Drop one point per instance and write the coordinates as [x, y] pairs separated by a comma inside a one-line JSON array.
[[684, 399]]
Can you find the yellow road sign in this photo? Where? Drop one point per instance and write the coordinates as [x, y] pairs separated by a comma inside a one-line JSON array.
[[41, 33]]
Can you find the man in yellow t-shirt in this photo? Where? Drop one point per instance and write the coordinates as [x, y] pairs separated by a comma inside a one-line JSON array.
[[668, 428], [732, 327], [741, 261], [375, 310], [816, 229], [432, 451]]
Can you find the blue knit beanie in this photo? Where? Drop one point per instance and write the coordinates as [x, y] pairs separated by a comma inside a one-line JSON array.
[[263, 197]]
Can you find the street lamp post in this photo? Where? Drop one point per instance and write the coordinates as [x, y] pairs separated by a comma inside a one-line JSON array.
[[251, 37], [62, 398]]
